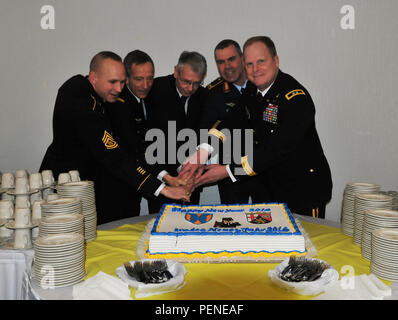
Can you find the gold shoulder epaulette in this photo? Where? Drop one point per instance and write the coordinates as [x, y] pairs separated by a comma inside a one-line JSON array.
[[246, 166], [294, 93], [226, 86], [215, 83]]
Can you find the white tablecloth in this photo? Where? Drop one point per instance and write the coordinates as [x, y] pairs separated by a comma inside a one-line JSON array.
[[15, 266]]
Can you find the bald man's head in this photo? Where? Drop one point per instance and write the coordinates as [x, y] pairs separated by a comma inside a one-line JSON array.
[[107, 75]]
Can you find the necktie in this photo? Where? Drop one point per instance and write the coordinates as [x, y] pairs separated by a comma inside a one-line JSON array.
[[183, 100], [142, 109]]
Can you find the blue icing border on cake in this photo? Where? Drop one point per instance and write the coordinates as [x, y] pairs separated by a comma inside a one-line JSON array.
[[228, 231]]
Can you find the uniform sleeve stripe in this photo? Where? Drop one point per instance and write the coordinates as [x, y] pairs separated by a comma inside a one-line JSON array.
[[143, 181], [218, 134], [215, 125], [246, 166]]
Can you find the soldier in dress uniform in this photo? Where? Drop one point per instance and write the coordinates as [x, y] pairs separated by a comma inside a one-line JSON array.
[[224, 94], [83, 138], [177, 99], [286, 148]]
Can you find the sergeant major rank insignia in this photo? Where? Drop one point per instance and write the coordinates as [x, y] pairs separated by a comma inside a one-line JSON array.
[[108, 141]]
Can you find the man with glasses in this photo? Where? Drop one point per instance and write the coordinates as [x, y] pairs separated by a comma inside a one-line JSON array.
[[176, 102]]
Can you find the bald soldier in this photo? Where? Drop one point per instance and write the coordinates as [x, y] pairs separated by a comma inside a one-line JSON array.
[[83, 139]]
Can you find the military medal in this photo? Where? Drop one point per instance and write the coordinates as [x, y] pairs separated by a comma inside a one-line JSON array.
[[271, 113]]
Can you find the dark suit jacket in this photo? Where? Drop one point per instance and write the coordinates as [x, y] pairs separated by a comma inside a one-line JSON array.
[[165, 111]]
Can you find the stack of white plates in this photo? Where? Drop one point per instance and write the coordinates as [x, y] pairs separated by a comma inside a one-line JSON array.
[[59, 260], [85, 191], [347, 213], [61, 223], [61, 206], [375, 219], [367, 201], [394, 195], [384, 260]]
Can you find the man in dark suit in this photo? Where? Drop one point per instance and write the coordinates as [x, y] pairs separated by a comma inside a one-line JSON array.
[[175, 103], [83, 139], [224, 94], [128, 121], [286, 148]]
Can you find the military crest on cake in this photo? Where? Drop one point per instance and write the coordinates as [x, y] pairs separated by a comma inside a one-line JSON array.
[[198, 218], [261, 217]]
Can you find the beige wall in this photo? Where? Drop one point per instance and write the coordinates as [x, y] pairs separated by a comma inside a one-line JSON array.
[[350, 73]]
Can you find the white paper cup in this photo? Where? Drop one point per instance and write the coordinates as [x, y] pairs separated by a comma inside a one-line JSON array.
[[22, 173], [22, 201], [6, 196], [23, 217], [5, 232], [36, 196], [48, 177], [35, 180], [64, 178], [22, 238], [21, 185], [36, 209], [74, 175], [35, 232], [7, 180], [6, 209]]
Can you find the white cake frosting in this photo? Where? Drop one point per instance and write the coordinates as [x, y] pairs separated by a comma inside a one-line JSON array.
[[198, 230]]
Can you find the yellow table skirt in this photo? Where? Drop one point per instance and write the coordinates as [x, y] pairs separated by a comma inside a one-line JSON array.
[[241, 281]]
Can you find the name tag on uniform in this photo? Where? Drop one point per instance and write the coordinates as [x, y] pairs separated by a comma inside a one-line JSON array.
[[271, 113]]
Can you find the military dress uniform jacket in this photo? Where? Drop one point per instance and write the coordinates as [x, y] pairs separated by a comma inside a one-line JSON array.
[[222, 97], [128, 123], [129, 127], [83, 140], [286, 148]]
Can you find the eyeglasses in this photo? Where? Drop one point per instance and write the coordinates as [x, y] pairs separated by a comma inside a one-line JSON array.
[[187, 83]]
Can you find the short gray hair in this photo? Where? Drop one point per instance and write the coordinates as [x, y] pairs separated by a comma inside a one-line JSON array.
[[195, 60]]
